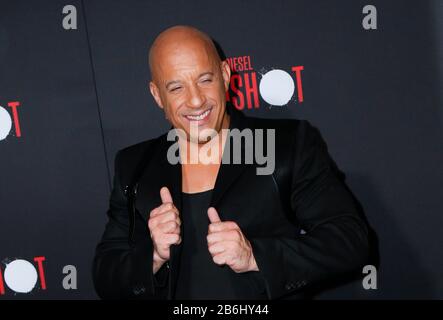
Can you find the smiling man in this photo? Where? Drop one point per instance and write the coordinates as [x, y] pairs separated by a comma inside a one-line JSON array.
[[218, 230], [190, 84]]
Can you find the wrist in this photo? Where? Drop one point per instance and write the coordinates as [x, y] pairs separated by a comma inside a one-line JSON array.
[[252, 263], [157, 262]]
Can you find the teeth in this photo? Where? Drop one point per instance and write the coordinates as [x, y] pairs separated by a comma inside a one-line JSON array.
[[199, 117]]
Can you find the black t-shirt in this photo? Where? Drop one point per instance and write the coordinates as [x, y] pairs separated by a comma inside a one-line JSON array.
[[199, 277]]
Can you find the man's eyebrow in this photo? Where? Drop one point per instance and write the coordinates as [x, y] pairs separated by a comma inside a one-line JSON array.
[[169, 83]]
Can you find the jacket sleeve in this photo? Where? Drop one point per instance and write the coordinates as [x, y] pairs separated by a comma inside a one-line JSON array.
[[119, 269], [335, 237]]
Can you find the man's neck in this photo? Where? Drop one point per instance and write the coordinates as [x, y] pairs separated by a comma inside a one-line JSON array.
[[192, 152]]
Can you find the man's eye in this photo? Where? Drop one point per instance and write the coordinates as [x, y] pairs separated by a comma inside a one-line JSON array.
[[207, 80], [175, 89]]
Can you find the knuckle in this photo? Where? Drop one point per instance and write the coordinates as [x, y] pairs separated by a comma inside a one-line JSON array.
[[168, 216], [168, 227], [153, 211], [172, 226], [160, 228]]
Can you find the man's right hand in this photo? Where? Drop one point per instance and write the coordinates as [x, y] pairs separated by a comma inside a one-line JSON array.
[[164, 226]]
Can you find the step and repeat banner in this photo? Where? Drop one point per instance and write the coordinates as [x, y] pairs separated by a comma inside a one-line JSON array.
[[74, 90]]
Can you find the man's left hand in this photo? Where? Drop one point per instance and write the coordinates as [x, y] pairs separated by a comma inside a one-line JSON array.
[[228, 245]]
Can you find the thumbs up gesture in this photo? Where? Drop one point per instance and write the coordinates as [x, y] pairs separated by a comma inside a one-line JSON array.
[[164, 227], [227, 244]]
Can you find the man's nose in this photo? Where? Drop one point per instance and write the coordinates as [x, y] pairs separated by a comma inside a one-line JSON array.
[[195, 97]]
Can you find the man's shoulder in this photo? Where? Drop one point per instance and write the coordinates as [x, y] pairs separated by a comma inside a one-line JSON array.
[[291, 135], [132, 154], [295, 128]]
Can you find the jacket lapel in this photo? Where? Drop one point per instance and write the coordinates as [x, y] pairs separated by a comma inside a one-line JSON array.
[[159, 173], [229, 172]]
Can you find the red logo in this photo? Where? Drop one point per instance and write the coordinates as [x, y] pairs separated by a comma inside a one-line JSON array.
[[8, 119], [276, 87]]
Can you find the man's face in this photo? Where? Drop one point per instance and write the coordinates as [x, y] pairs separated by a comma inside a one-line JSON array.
[[190, 85]]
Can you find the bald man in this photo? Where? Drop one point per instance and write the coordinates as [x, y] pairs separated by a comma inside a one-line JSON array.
[[195, 229]]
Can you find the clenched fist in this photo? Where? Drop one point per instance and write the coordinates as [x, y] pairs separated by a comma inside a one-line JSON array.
[[228, 245], [164, 227]]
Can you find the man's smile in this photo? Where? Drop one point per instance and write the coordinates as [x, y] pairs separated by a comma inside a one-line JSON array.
[[199, 117]]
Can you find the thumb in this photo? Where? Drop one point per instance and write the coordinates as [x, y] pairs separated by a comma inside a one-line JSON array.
[[165, 195], [213, 215]]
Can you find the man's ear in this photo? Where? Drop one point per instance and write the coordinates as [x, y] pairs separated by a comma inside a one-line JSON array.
[[226, 73], [155, 93]]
